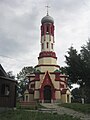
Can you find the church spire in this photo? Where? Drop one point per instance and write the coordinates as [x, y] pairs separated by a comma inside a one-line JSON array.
[[47, 33]]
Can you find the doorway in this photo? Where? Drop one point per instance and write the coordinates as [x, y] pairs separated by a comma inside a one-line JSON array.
[[47, 94]]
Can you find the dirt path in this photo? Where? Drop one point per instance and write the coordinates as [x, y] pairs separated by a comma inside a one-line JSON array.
[[63, 110]]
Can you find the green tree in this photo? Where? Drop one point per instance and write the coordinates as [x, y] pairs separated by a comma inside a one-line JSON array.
[[78, 68], [74, 65], [76, 95], [85, 56], [22, 80], [63, 70]]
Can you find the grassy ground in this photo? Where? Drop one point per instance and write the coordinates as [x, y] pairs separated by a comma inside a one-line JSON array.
[[85, 108], [28, 115]]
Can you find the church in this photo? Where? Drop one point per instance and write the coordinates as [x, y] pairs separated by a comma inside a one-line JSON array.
[[47, 84]]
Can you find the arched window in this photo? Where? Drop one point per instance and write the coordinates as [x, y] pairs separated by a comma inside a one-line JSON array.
[[47, 44], [42, 30], [26, 98], [52, 30], [47, 29], [42, 45], [52, 45]]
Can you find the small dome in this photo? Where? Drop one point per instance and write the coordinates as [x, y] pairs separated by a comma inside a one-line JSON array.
[[46, 19]]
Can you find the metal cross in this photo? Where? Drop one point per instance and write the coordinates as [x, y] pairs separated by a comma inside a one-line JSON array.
[[47, 8]]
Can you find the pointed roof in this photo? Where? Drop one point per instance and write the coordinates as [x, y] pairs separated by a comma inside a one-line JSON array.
[[46, 80], [3, 75], [2, 71]]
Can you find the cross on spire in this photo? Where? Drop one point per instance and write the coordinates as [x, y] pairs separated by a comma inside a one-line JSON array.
[[47, 8]]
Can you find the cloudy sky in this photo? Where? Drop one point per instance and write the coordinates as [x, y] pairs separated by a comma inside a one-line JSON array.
[[20, 22]]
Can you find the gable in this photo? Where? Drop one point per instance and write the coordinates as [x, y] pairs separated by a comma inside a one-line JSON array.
[[2, 72], [47, 80]]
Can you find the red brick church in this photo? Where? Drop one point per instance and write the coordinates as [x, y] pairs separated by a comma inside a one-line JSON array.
[[47, 84]]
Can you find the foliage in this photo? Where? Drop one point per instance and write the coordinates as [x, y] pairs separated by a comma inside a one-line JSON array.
[[85, 108], [24, 72], [63, 70], [22, 80], [78, 65], [76, 93], [10, 74], [73, 67], [27, 115], [78, 68], [85, 56]]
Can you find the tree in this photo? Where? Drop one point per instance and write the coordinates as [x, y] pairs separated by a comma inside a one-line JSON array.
[[10, 74], [73, 67], [76, 93], [85, 56], [21, 77], [78, 68], [63, 70]]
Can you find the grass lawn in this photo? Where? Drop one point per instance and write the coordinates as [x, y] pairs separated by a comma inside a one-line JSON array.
[[28, 115], [85, 108]]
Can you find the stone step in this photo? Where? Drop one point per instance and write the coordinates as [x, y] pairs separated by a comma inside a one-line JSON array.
[[48, 105], [49, 110]]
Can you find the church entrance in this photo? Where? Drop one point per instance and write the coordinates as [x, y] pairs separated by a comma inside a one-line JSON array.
[[47, 94]]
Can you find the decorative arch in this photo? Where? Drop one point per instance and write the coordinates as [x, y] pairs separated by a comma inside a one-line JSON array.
[[47, 86]]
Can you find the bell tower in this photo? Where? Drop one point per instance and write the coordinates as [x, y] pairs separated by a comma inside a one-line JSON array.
[[47, 84], [47, 34], [47, 60]]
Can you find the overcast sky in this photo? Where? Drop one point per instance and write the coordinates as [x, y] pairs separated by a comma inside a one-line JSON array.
[[20, 22]]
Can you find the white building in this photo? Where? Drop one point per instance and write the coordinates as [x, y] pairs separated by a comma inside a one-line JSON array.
[[47, 84]]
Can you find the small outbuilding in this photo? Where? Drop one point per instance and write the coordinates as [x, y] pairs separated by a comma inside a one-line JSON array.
[[7, 90]]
